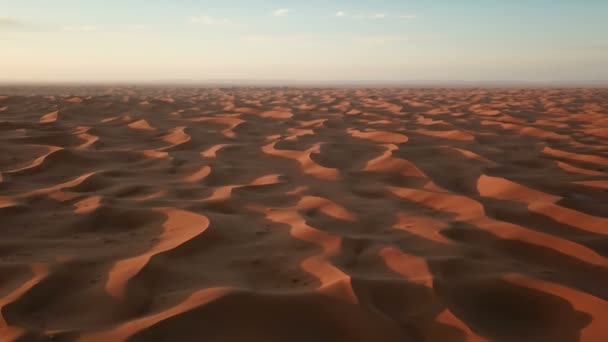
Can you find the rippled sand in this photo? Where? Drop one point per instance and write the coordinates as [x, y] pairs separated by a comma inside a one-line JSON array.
[[250, 214]]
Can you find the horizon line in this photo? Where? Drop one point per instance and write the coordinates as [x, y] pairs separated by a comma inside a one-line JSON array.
[[288, 82]]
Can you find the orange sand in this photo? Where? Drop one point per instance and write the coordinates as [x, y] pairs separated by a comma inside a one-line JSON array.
[[333, 215]]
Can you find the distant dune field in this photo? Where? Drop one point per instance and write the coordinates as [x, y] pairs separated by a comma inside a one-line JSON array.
[[304, 214]]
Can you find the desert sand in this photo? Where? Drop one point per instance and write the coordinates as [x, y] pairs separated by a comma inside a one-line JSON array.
[[286, 214]]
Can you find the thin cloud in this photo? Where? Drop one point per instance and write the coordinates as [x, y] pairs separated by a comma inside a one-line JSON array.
[[378, 16], [407, 16], [340, 14], [281, 12]]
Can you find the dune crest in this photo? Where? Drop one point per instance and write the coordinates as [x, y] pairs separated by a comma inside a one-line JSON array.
[[541, 203], [7, 331], [317, 265], [452, 134], [230, 121], [198, 175], [387, 163], [581, 301], [142, 125], [471, 211], [415, 270], [38, 161], [277, 113], [87, 205], [212, 152], [592, 159], [379, 136], [303, 158], [325, 214], [50, 117], [89, 139], [179, 227], [177, 137], [473, 156], [571, 168]]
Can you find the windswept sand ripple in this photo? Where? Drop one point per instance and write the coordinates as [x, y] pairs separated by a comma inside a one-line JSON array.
[[278, 214]]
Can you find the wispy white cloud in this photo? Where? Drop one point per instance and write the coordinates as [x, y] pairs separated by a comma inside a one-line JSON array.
[[340, 14], [281, 12], [378, 16]]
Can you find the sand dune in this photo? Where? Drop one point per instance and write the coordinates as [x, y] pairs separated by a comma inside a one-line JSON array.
[[379, 136], [386, 163], [231, 122], [262, 214], [180, 227], [139, 124], [452, 134], [308, 165], [49, 117]]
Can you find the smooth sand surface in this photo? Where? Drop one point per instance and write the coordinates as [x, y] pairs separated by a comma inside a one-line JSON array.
[[280, 214]]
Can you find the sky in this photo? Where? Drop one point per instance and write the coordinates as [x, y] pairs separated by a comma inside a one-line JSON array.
[[313, 40]]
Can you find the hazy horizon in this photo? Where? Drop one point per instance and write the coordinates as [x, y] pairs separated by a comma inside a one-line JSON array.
[[286, 41], [307, 83]]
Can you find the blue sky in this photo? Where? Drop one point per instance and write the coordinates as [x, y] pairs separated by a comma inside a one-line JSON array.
[[148, 40]]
